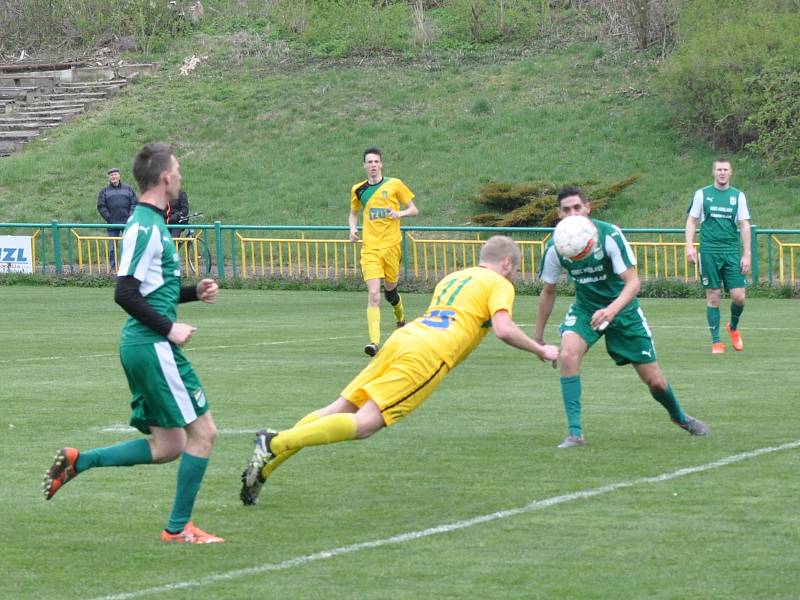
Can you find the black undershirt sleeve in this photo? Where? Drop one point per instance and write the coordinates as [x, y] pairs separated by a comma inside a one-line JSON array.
[[127, 295], [188, 293]]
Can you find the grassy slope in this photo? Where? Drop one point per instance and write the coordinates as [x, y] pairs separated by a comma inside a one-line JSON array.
[[279, 142]]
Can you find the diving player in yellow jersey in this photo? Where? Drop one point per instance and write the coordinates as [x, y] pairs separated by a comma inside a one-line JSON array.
[[414, 361], [384, 201]]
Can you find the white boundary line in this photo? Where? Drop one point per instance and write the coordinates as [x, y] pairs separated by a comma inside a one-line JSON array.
[[189, 349], [123, 428], [326, 339], [447, 527]]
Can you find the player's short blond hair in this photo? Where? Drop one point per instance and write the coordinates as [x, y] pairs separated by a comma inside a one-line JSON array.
[[499, 247]]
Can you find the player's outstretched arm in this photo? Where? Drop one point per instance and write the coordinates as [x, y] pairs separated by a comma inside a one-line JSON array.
[[510, 333]]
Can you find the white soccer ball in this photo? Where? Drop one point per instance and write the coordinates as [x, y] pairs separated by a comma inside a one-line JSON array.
[[575, 237]]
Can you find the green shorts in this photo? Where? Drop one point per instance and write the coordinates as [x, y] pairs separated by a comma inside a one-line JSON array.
[[718, 269], [166, 391], [628, 337]]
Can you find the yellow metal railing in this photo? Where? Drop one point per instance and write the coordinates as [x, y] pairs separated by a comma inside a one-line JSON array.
[[434, 258], [664, 260], [33, 247], [331, 258], [660, 251], [188, 250], [298, 257], [429, 258], [94, 255], [787, 253], [93, 251]]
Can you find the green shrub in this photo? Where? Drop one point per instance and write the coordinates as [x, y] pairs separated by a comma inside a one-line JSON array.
[[776, 119], [721, 50], [491, 21], [37, 24], [340, 28], [479, 106], [534, 203]]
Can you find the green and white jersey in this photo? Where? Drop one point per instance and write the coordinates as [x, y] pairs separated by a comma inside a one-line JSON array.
[[149, 255], [718, 211], [596, 277]]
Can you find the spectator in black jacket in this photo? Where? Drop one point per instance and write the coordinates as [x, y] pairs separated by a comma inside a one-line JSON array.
[[178, 213], [115, 204]]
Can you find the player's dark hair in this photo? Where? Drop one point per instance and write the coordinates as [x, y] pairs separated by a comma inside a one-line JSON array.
[[372, 150], [571, 190], [722, 159], [152, 160]]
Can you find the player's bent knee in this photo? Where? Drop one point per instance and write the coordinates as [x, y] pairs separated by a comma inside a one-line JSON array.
[[392, 296], [655, 382], [368, 420], [569, 361], [164, 452]]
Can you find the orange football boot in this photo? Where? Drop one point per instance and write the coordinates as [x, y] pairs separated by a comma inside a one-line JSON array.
[[191, 534], [736, 338]]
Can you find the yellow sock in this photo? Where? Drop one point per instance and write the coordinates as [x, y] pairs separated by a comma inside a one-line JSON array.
[[330, 429], [399, 311], [281, 458], [374, 324]]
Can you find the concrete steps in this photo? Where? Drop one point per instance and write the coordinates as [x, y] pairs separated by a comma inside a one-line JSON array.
[[20, 93], [53, 104], [36, 100], [12, 141], [73, 95], [24, 125], [15, 121], [110, 86]]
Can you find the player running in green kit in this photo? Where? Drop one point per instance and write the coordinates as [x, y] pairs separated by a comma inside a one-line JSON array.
[[721, 208], [605, 305], [168, 401]]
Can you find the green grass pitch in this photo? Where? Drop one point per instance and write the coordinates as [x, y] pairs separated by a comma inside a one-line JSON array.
[[467, 498]]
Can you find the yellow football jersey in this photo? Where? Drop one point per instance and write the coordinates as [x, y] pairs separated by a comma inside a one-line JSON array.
[[460, 312], [377, 200]]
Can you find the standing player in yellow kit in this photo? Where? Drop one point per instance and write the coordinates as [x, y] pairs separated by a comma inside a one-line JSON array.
[[384, 201]]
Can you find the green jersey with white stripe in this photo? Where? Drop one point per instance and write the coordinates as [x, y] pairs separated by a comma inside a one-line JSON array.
[[596, 277], [718, 211], [149, 255]]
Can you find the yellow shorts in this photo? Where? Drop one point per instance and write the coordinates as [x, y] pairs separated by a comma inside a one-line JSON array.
[[400, 377], [381, 263]]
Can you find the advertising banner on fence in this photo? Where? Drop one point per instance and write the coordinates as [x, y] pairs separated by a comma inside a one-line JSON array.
[[16, 254]]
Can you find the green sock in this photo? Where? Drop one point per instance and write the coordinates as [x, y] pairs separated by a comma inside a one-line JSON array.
[[124, 454], [190, 475], [668, 400], [736, 312], [712, 316], [571, 394]]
